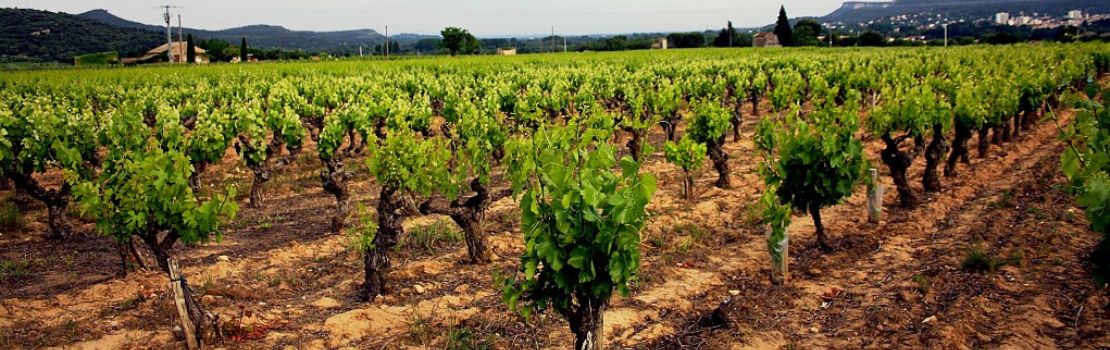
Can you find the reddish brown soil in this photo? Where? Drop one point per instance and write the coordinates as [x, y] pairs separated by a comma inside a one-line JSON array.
[[704, 282]]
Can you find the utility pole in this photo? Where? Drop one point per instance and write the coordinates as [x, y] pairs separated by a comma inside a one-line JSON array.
[[169, 35], [946, 35], [564, 44], [552, 38], [387, 41], [830, 37]]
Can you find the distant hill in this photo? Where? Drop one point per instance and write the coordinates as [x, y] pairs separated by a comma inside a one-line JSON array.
[[862, 11], [32, 35], [268, 36]]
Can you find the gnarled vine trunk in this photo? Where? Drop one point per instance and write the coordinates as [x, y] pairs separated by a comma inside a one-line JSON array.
[[56, 201], [959, 149], [390, 227], [933, 153], [670, 126], [898, 162], [687, 185], [720, 162], [635, 145], [261, 176], [737, 120], [470, 214], [194, 178], [334, 179], [984, 142], [587, 323], [822, 241], [755, 104]]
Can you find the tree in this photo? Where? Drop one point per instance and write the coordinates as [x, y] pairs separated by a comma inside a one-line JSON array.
[[458, 40], [582, 221], [477, 138], [910, 113], [806, 32], [813, 161], [218, 50], [190, 50], [688, 155], [710, 124], [36, 138], [970, 114], [637, 118], [243, 50], [783, 29], [143, 190], [686, 40], [1086, 163], [871, 38], [428, 45], [403, 164], [263, 133], [727, 37]]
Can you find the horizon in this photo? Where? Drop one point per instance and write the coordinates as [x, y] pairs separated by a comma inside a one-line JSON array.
[[621, 16]]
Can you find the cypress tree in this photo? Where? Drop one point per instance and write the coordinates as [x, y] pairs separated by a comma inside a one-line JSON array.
[[731, 34], [783, 29], [243, 50], [190, 50]]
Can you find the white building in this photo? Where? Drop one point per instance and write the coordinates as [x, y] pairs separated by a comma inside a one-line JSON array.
[[1075, 14], [1002, 18]]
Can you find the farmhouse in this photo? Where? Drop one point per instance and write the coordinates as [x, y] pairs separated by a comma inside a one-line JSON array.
[[158, 54], [506, 51], [659, 44], [765, 39]]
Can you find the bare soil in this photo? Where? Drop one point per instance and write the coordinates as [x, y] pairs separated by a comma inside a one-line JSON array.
[[282, 282]]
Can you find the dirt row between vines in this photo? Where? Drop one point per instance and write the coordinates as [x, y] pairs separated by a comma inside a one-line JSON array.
[[282, 282]]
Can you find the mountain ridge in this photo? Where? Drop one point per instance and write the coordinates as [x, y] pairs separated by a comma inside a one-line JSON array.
[[862, 11], [258, 35]]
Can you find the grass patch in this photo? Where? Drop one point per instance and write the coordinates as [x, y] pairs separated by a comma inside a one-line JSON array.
[[11, 270], [976, 259], [922, 282], [11, 220], [421, 330], [466, 339], [687, 238], [1005, 200], [752, 214], [431, 238], [361, 238]]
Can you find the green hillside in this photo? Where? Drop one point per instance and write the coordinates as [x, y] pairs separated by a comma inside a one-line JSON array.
[[37, 36]]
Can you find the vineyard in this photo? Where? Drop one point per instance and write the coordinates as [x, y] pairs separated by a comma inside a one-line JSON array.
[[702, 199]]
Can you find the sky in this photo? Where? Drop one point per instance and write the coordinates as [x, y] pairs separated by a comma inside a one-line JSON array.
[[481, 17]]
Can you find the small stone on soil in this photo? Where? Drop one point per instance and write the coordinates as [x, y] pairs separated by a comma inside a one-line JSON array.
[[223, 258], [418, 288], [326, 303], [734, 292], [462, 288]]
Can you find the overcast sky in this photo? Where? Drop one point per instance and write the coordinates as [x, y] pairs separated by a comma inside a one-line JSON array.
[[481, 17]]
